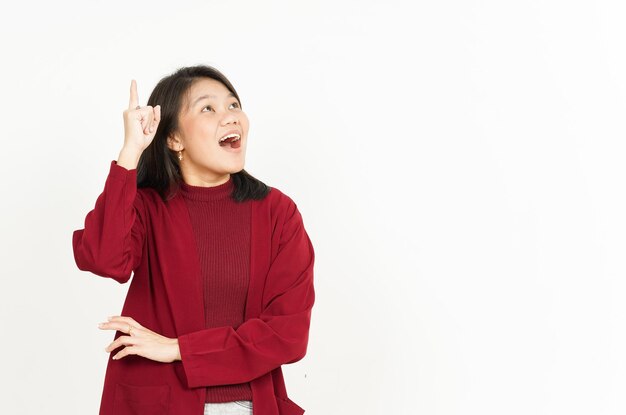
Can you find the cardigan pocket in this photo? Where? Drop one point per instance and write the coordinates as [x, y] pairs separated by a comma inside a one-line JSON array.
[[141, 400], [288, 407]]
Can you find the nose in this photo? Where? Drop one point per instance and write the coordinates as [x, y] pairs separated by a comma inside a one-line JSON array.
[[230, 118]]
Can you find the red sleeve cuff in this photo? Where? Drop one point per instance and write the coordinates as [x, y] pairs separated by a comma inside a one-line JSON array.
[[121, 173]]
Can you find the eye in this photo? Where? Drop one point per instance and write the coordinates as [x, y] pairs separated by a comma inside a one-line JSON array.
[[236, 104]]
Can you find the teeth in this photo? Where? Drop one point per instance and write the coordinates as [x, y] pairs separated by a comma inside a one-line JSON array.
[[230, 135]]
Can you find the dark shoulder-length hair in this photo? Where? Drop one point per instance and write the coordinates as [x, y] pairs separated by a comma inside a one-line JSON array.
[[158, 166]]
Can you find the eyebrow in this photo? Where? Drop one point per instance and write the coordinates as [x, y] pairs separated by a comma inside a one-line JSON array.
[[200, 98]]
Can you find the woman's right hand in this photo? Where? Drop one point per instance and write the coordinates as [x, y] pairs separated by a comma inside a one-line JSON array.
[[140, 125]]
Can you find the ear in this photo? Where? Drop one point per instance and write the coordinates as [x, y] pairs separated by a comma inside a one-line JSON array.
[[174, 142]]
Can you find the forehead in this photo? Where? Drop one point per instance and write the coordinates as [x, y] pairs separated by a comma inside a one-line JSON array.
[[208, 87], [204, 89]]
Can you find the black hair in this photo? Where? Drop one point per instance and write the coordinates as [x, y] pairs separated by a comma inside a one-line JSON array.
[[158, 166]]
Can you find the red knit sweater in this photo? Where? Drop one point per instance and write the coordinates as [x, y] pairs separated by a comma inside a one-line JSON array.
[[221, 228]]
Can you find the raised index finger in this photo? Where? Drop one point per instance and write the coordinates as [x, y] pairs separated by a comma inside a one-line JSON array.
[[134, 100]]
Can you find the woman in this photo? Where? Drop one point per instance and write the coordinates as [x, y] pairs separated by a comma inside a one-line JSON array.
[[222, 286]]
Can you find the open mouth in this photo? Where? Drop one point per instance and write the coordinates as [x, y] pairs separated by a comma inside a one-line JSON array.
[[231, 140]]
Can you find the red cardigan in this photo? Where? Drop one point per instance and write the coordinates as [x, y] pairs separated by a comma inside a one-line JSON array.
[[133, 230]]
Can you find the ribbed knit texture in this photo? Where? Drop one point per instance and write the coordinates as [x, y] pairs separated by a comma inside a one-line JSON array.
[[222, 231]]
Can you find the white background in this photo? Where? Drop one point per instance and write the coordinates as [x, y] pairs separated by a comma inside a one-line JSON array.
[[459, 166]]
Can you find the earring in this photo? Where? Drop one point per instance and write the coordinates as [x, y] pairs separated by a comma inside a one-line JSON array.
[[180, 155]]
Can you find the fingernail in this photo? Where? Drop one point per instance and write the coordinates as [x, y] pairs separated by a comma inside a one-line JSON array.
[[110, 318], [100, 324]]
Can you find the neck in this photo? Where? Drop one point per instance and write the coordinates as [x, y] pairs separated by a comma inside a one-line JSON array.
[[207, 192]]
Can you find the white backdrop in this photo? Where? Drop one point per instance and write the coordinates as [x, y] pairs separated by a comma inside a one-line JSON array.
[[459, 166]]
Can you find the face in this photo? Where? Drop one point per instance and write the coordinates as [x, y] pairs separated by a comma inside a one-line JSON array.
[[209, 113]]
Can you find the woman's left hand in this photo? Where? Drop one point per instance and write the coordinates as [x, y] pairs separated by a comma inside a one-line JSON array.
[[142, 341]]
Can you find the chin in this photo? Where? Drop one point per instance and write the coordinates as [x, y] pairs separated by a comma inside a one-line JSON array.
[[237, 169]]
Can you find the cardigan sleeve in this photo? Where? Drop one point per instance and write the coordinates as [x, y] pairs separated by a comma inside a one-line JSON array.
[[111, 242], [225, 355]]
